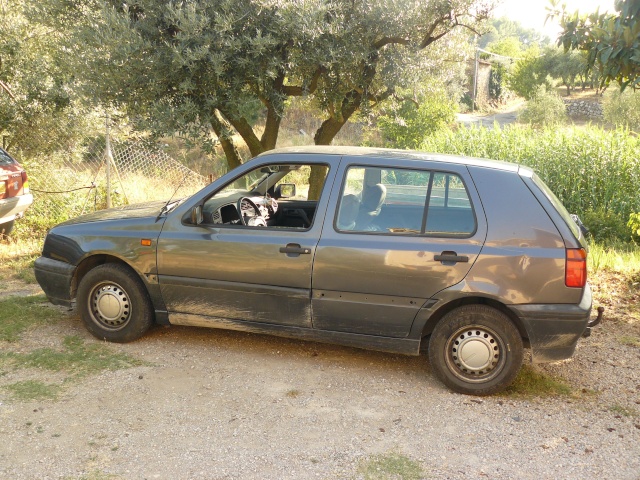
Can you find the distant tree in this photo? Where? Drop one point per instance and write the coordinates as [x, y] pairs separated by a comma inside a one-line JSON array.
[[528, 73], [498, 29], [565, 65], [612, 41]]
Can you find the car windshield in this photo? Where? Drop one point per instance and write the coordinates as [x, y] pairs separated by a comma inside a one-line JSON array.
[[246, 183]]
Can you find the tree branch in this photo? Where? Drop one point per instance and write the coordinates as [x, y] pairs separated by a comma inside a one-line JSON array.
[[298, 91], [6, 88], [391, 40]]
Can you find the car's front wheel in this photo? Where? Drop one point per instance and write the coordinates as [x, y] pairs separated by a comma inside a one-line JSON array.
[[476, 350], [114, 304]]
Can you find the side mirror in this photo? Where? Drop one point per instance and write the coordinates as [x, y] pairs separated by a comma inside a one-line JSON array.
[[285, 190], [196, 215]]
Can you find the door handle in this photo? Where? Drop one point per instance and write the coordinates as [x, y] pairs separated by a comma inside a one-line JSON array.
[[295, 249], [452, 257]]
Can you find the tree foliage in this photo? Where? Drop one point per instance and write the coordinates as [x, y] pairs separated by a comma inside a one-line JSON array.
[[203, 66], [612, 41], [34, 93]]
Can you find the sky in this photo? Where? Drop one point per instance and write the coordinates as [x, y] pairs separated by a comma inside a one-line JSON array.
[[532, 13]]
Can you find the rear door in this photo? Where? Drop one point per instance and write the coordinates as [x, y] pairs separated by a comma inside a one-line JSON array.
[[373, 278]]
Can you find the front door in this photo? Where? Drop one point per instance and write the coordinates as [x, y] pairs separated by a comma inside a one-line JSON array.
[[250, 255]]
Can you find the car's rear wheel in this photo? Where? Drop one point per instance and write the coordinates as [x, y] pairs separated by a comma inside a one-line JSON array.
[[114, 304], [476, 350], [6, 228]]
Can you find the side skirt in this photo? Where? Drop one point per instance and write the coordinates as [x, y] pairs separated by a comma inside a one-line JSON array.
[[404, 346]]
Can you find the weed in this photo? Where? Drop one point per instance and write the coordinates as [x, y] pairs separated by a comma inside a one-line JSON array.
[[623, 411], [33, 390], [293, 393], [630, 341], [391, 465], [18, 314], [533, 383], [77, 358]]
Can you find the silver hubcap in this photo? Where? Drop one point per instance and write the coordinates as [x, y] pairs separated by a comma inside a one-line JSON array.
[[474, 353], [110, 306]]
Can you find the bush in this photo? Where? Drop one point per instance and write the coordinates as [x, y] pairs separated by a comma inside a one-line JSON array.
[[605, 227], [544, 108], [623, 109], [407, 123]]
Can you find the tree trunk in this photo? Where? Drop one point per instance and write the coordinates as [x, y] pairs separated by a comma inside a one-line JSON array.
[[225, 136]]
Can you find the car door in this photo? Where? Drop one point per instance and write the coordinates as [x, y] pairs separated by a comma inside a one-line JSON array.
[[236, 272], [375, 269]]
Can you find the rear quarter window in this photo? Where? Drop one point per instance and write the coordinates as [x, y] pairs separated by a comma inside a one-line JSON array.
[[557, 204]]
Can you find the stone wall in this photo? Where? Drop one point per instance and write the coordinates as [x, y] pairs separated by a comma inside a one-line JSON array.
[[582, 107]]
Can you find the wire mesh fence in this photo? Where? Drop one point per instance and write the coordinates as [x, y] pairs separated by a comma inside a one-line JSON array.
[[72, 178]]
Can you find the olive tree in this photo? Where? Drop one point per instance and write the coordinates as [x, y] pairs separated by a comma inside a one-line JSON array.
[[208, 68]]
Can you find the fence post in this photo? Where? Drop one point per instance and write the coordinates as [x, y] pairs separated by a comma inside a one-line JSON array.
[[108, 160]]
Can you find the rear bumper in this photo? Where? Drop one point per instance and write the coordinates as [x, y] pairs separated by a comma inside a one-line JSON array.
[[55, 278], [13, 207], [554, 330]]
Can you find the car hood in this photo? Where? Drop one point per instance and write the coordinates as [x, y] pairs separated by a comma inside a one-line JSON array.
[[138, 210]]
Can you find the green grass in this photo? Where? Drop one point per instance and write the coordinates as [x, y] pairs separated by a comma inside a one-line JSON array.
[[534, 383], [18, 314], [630, 341], [623, 411], [621, 258], [17, 255], [391, 466], [76, 358], [33, 390]]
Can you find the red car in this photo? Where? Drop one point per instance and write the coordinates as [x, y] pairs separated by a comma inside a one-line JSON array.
[[15, 196]]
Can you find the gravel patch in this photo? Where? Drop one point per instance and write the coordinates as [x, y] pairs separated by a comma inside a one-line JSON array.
[[212, 404]]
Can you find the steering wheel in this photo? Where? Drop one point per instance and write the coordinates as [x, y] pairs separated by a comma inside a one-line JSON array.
[[255, 220]]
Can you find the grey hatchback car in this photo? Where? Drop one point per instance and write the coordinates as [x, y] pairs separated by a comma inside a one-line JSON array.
[[385, 250]]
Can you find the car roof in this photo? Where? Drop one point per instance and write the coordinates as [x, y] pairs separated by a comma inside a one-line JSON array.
[[394, 153]]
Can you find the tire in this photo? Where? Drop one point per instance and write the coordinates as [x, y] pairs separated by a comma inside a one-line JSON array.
[[6, 228], [114, 304], [476, 350]]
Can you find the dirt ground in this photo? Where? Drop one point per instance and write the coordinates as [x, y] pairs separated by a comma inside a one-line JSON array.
[[229, 405]]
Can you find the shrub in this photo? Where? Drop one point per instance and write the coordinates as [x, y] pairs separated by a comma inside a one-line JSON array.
[[407, 123], [605, 227], [634, 225], [544, 108], [623, 109]]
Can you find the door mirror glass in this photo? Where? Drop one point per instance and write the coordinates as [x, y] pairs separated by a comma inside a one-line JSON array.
[[285, 190], [196, 215]]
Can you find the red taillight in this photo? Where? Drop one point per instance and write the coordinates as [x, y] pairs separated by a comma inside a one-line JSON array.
[[25, 182], [576, 269]]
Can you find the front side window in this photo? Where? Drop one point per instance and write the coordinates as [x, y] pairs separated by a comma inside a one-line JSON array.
[[269, 196], [399, 201]]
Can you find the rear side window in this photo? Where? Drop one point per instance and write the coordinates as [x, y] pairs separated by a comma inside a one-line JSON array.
[[397, 201], [449, 211]]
